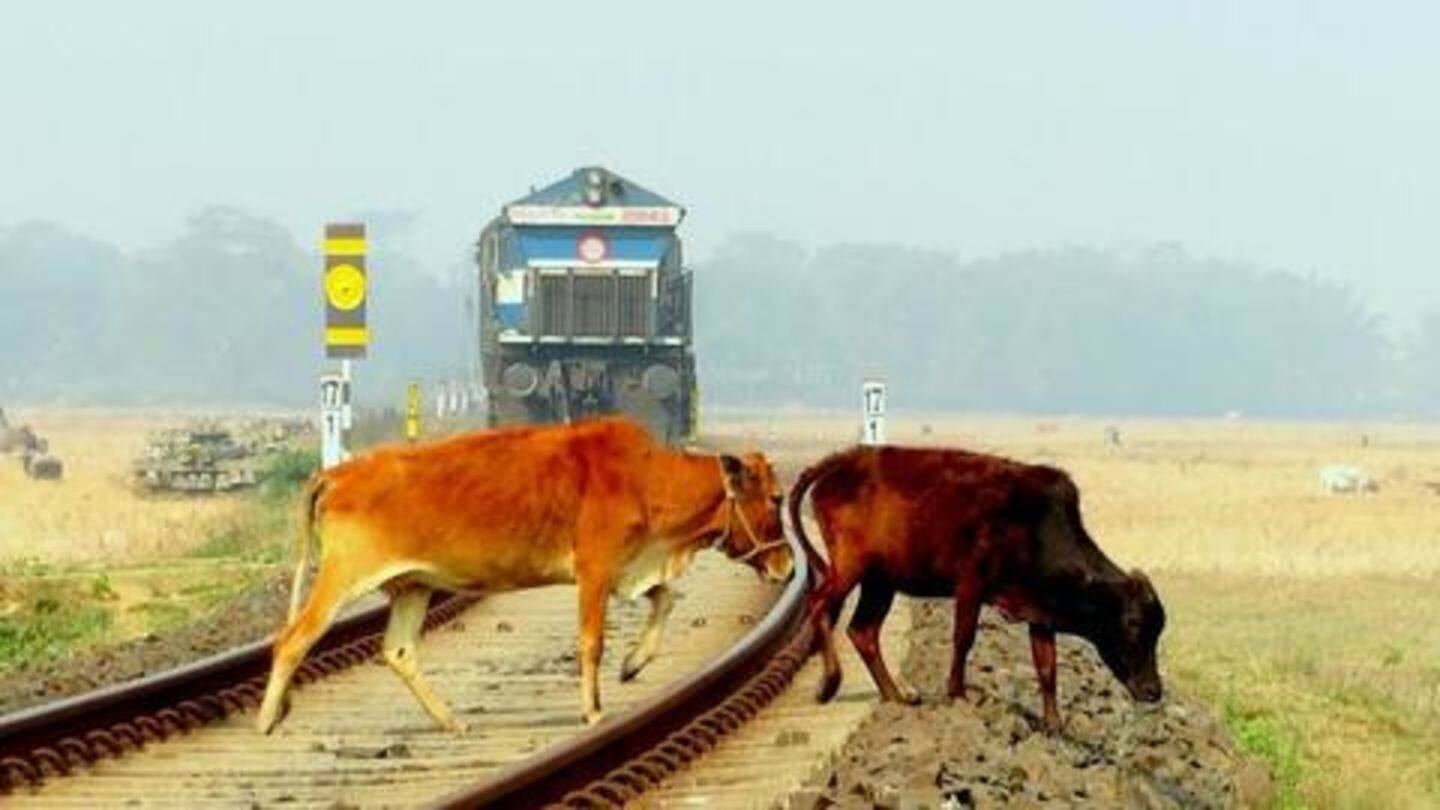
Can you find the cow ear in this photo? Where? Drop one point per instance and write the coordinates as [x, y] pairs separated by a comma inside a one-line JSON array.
[[734, 470]]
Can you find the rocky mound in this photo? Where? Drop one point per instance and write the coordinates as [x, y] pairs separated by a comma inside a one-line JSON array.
[[989, 752], [253, 615]]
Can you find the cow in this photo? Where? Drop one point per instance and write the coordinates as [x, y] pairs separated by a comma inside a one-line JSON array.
[[1341, 479], [597, 503], [980, 528]]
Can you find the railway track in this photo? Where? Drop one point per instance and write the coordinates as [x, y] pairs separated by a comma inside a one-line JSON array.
[[355, 737]]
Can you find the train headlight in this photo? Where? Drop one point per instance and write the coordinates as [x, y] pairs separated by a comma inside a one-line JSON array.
[[520, 380], [661, 382]]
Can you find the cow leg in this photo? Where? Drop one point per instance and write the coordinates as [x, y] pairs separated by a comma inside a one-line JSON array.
[[864, 630], [967, 620], [327, 596], [593, 594], [825, 604], [1042, 650], [661, 603], [402, 639], [822, 628]]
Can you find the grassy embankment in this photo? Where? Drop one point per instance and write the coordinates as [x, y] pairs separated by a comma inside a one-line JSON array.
[[88, 560], [1311, 620]]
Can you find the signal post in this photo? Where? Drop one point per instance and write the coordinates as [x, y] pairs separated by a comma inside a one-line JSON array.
[[347, 336]]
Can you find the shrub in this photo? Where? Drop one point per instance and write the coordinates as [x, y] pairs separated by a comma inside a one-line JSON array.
[[287, 472]]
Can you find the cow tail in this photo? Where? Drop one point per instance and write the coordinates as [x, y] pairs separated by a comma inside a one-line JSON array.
[[807, 479], [306, 537]]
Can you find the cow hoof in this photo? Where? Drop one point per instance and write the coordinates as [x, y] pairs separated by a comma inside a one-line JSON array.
[[907, 695], [631, 668], [270, 717], [829, 685], [591, 718], [456, 727], [267, 721]]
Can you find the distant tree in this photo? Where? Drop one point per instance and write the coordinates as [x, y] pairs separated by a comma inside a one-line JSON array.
[[230, 311], [1420, 367], [227, 312], [1072, 329], [56, 315]]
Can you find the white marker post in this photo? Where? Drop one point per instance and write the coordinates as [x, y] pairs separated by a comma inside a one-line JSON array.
[[872, 394], [332, 420]]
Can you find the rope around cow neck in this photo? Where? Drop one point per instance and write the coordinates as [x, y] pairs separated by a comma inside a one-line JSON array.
[[757, 546]]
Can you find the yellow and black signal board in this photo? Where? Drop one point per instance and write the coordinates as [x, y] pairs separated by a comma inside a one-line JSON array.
[[344, 284]]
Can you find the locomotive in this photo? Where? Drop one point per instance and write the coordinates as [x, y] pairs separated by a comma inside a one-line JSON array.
[[585, 307]]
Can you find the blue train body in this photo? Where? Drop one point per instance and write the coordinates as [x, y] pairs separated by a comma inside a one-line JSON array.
[[585, 306]]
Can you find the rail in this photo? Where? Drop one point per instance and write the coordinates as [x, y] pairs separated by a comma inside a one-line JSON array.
[[617, 760], [604, 766], [52, 739]]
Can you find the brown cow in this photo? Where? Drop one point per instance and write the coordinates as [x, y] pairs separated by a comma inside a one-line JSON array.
[[985, 530], [597, 503]]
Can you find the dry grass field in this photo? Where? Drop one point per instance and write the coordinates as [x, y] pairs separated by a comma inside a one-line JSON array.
[[88, 559], [1311, 621], [94, 514]]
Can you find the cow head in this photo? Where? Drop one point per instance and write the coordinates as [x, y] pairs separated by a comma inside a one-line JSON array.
[[1128, 647], [755, 532]]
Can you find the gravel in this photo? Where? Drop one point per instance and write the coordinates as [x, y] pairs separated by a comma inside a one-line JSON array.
[[990, 752], [253, 615]]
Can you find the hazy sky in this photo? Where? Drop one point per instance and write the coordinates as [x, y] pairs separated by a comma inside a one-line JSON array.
[[1296, 135]]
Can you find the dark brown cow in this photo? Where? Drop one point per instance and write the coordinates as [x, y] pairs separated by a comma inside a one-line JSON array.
[[985, 530]]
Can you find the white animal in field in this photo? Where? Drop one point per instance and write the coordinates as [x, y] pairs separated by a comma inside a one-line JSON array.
[[1341, 478]]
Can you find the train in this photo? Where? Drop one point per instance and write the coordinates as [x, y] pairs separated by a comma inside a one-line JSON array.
[[585, 307]]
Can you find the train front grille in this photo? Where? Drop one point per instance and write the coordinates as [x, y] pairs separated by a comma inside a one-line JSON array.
[[587, 305]]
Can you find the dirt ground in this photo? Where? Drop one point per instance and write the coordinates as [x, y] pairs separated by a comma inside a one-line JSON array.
[[988, 752]]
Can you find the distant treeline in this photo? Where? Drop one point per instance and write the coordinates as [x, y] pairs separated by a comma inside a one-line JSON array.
[[1070, 330], [229, 312]]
